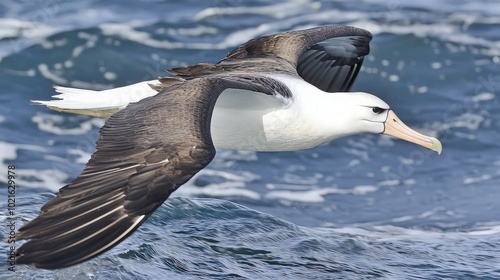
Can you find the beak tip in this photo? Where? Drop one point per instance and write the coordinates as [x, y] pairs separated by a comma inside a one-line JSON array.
[[436, 145]]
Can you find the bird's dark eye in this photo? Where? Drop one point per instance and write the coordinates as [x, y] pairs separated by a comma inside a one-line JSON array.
[[377, 110]]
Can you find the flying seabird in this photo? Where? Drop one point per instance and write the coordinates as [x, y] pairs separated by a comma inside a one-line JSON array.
[[282, 92]]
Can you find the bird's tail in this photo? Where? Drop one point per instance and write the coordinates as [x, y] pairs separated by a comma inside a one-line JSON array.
[[101, 103]]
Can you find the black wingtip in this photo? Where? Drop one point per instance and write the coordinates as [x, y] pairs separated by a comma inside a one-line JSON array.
[[70, 249]]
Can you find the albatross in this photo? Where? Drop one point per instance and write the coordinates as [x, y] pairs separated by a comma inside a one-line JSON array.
[[282, 92]]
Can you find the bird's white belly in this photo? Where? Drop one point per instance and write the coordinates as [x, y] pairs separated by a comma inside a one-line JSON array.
[[250, 121]]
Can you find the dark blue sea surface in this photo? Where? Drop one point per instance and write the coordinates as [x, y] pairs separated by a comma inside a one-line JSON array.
[[363, 207]]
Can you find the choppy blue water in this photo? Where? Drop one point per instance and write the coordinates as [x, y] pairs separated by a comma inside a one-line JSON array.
[[363, 207]]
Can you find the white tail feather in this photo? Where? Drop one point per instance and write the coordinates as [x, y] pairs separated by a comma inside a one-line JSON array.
[[98, 103]]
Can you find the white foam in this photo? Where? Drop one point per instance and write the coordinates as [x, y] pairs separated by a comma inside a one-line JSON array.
[[27, 73], [127, 31], [357, 152], [23, 33], [391, 183], [291, 178], [467, 120], [83, 157], [422, 89], [90, 43], [226, 189], [289, 15], [46, 73], [435, 212], [317, 195], [8, 151], [272, 186], [55, 158], [242, 176], [385, 141], [483, 96], [52, 123], [361, 144], [364, 189], [51, 179], [12, 27], [279, 11], [309, 196], [436, 65], [409, 182], [354, 162], [15, 28], [233, 155], [395, 233], [486, 230], [474, 180], [444, 31], [235, 186], [199, 30], [393, 78], [110, 76]]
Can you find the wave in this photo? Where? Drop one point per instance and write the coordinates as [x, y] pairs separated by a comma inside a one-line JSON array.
[[211, 238], [441, 23]]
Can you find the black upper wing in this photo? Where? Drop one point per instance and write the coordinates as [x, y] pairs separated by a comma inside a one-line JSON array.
[[333, 64], [328, 57], [144, 153]]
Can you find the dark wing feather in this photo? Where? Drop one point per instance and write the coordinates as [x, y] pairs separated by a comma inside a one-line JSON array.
[[328, 57], [332, 64], [144, 153]]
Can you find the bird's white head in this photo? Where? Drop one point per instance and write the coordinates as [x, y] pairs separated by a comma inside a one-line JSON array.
[[359, 112]]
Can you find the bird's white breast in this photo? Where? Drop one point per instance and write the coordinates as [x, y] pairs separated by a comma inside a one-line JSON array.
[[238, 120], [252, 121]]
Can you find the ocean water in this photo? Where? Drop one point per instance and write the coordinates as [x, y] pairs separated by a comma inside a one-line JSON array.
[[363, 207]]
